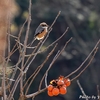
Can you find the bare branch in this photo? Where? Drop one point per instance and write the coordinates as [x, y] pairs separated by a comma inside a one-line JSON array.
[[54, 20], [95, 51], [24, 47], [82, 90], [12, 36], [35, 94]]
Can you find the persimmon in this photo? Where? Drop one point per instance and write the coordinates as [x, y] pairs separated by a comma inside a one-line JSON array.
[[61, 77], [55, 91], [50, 88], [64, 85], [67, 82], [50, 93], [62, 90], [60, 82]]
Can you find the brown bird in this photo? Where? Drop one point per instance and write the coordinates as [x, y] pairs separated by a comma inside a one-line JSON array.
[[41, 31]]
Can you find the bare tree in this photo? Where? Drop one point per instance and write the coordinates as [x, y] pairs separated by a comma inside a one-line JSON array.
[[10, 84]]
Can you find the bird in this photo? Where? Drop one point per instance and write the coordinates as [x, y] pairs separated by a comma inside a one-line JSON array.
[[41, 31]]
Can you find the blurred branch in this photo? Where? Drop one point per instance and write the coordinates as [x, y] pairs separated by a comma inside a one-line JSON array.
[[82, 90], [98, 91], [35, 94], [54, 20], [91, 59]]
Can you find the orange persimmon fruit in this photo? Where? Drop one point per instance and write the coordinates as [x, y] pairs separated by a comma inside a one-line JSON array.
[[50, 88], [61, 77], [60, 82], [55, 91], [63, 90], [67, 82], [50, 93]]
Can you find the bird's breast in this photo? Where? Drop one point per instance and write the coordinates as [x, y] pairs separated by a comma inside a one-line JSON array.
[[41, 34]]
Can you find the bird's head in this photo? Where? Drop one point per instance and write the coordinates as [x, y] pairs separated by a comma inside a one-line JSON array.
[[44, 25]]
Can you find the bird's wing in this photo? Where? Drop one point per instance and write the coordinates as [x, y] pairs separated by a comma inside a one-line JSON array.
[[38, 30]]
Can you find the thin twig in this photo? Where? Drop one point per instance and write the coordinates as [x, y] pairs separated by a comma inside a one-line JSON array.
[[14, 87], [54, 20], [98, 91], [15, 70], [46, 74], [9, 38], [23, 45], [95, 51], [11, 53], [24, 48], [34, 94], [12, 36], [32, 42], [8, 44], [82, 90], [3, 80]]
